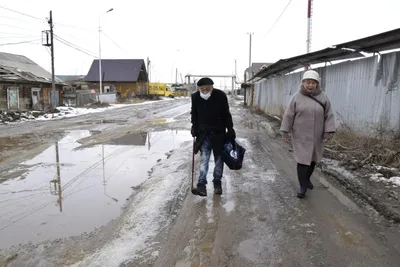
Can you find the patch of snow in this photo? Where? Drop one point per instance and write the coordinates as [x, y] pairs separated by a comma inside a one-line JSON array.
[[378, 177], [334, 165], [167, 98], [395, 181], [378, 167], [148, 214]]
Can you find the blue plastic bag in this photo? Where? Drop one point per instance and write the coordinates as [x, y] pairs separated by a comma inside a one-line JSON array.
[[233, 155]]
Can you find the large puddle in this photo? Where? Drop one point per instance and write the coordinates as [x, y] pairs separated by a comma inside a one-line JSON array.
[[87, 189]]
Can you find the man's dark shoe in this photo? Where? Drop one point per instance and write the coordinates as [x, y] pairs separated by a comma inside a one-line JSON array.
[[301, 195], [200, 190], [217, 187], [310, 185]]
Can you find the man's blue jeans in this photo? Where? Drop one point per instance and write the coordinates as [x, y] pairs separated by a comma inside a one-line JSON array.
[[205, 153]]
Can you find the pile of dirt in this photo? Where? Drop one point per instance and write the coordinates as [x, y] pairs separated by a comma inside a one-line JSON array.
[[14, 116]]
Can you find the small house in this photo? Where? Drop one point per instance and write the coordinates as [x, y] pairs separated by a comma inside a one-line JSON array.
[[24, 85], [125, 77]]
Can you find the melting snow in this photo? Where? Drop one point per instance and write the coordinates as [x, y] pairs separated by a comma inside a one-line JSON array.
[[395, 180], [378, 177], [148, 213]]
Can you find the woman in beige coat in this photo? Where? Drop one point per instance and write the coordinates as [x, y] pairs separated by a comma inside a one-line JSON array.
[[310, 121]]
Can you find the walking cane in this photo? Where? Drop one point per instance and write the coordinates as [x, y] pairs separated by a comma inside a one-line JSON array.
[[193, 172]]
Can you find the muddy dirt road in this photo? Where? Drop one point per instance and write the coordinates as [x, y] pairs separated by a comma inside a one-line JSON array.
[[124, 199]]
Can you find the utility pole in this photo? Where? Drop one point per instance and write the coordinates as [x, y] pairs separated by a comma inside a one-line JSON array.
[[148, 68], [100, 73], [100, 78], [51, 44], [250, 70], [235, 71], [309, 14], [309, 25], [59, 178], [251, 34], [104, 171], [148, 75], [176, 76]]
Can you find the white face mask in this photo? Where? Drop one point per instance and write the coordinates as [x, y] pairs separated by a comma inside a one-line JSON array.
[[205, 96]]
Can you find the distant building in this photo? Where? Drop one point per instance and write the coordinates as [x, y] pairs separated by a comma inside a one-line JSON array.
[[24, 84], [254, 69], [127, 77]]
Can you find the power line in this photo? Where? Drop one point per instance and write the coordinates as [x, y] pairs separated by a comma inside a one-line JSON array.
[[17, 34], [113, 42], [75, 48], [85, 51], [23, 42], [22, 20], [16, 27], [18, 37], [48, 50], [43, 20], [290, 1], [74, 27], [11, 10]]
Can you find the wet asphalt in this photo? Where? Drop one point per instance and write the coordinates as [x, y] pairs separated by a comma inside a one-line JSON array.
[[257, 221]]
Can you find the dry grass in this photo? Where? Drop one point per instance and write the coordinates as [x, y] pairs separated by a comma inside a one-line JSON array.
[[347, 146]]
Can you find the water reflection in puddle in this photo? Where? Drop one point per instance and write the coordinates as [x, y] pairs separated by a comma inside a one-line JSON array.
[[85, 190]]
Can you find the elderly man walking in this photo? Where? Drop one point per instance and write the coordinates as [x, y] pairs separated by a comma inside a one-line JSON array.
[[211, 125]]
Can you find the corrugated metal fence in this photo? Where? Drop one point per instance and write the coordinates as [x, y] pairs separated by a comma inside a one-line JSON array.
[[364, 93]]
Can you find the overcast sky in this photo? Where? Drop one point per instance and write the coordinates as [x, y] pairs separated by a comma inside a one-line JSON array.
[[195, 36]]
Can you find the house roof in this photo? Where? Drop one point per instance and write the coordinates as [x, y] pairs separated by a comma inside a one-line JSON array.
[[20, 68], [256, 66], [376, 43], [70, 78], [116, 70]]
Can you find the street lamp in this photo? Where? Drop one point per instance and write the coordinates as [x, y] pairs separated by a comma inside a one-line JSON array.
[[100, 76]]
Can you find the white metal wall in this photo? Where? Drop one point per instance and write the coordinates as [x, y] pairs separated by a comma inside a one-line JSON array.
[[364, 93]]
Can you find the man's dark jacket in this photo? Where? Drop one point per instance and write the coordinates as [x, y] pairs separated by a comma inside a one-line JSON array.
[[211, 117]]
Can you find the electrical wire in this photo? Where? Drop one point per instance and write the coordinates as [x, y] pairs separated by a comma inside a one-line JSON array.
[[23, 42], [93, 166], [72, 44], [43, 20], [22, 20], [74, 27], [24, 14], [12, 33], [17, 220], [48, 50], [290, 1], [113, 42], [17, 37], [16, 27], [75, 47]]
